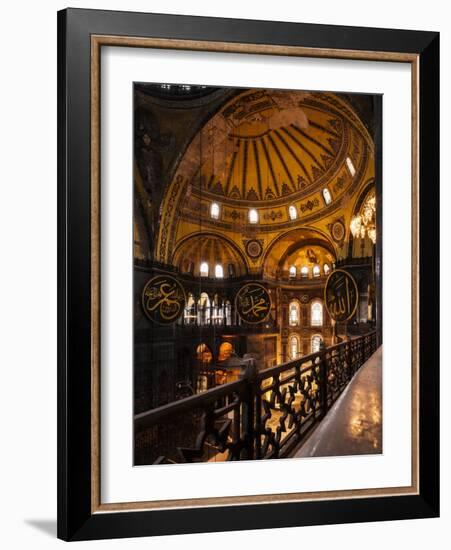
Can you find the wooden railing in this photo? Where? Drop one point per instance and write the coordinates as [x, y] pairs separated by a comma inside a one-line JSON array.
[[265, 414]]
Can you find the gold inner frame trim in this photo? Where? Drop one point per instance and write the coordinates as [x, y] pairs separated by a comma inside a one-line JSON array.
[[97, 41]]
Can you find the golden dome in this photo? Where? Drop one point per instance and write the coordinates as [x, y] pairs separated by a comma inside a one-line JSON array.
[[274, 146], [294, 158]]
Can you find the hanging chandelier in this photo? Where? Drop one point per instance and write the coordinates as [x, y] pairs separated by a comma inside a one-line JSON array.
[[364, 223]]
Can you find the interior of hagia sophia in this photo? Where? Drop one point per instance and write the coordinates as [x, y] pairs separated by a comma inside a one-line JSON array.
[[232, 186]]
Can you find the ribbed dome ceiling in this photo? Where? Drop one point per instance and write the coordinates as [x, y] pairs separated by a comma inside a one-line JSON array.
[[265, 145], [211, 249]]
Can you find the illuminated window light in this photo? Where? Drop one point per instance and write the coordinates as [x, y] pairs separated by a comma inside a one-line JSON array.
[[253, 216], [327, 196], [304, 271], [219, 272], [316, 343], [350, 166], [214, 210], [326, 268], [292, 271], [316, 271], [204, 269], [316, 314], [294, 313], [294, 347], [293, 213]]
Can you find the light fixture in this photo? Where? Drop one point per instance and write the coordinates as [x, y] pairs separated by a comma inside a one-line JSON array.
[[364, 223]]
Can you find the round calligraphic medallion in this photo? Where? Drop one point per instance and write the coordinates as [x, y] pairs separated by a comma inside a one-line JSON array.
[[254, 249], [253, 303], [338, 231], [341, 295], [163, 299]]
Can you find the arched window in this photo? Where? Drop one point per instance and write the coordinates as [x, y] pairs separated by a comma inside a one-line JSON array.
[[219, 271], [292, 271], [228, 313], [294, 313], [204, 358], [304, 271], [350, 166], [327, 196], [189, 315], [253, 216], [231, 269], [225, 351], [202, 383], [316, 314], [203, 309], [214, 210], [326, 269], [292, 212], [217, 317], [204, 355], [316, 271], [204, 269], [294, 347], [316, 343]]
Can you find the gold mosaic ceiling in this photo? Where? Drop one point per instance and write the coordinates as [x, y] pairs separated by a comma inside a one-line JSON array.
[[211, 249], [266, 145], [276, 151], [300, 247]]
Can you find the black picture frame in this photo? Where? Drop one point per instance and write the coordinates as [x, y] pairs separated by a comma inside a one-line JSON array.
[[76, 519]]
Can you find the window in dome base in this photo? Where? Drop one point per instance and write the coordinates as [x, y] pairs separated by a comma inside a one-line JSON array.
[[350, 166], [327, 196], [204, 269], [253, 216], [214, 210]]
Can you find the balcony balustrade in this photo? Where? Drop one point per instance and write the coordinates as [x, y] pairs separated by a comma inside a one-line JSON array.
[[263, 415]]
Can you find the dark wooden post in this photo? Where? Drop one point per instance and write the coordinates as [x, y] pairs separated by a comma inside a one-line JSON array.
[[249, 401], [323, 383]]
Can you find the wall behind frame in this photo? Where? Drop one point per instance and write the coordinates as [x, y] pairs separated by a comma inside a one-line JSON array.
[[28, 280]]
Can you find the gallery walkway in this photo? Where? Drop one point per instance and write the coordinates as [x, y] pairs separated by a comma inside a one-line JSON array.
[[354, 423]]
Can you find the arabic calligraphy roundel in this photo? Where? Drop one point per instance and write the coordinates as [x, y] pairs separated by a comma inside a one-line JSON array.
[[253, 303], [163, 299], [341, 295]]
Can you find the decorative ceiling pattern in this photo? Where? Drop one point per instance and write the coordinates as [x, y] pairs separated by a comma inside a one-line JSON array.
[[267, 145], [298, 158], [212, 249], [266, 150], [301, 247], [308, 256]]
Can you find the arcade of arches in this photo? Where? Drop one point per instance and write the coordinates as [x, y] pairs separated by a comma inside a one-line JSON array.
[[238, 186]]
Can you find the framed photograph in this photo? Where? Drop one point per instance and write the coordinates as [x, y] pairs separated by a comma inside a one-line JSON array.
[[248, 274]]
